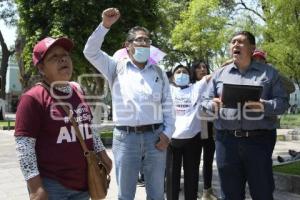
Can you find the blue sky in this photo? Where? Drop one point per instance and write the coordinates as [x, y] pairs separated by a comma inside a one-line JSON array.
[[9, 33]]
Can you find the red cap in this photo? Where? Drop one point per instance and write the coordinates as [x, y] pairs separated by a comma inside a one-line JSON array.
[[42, 47], [259, 53]]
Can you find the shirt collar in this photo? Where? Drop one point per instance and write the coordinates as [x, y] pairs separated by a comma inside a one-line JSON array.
[[253, 66], [128, 60]]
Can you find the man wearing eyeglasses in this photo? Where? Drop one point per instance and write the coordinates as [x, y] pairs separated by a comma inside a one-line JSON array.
[[142, 109]]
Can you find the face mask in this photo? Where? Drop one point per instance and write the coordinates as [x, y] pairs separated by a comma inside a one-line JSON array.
[[182, 79], [141, 54]]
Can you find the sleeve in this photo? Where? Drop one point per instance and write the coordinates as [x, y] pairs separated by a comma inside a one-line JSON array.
[[98, 145], [101, 61], [25, 147], [278, 103], [168, 109], [287, 84], [28, 117], [200, 86], [207, 95]]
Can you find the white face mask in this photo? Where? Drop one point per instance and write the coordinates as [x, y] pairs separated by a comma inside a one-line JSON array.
[[141, 54], [182, 79]]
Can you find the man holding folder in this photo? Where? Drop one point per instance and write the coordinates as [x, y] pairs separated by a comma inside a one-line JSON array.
[[244, 134]]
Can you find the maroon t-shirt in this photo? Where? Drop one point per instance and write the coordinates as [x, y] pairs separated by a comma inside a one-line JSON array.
[[59, 154]]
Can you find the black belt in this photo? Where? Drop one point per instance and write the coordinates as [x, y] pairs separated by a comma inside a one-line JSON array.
[[139, 129], [248, 133]]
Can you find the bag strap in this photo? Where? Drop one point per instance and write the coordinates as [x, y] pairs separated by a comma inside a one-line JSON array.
[[72, 119]]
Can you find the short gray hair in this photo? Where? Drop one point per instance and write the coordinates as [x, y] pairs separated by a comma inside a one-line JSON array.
[[132, 32]]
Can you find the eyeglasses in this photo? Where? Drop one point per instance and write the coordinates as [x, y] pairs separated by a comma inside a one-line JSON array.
[[141, 41]]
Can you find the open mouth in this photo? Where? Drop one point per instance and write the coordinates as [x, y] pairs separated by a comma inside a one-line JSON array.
[[236, 52], [64, 67]]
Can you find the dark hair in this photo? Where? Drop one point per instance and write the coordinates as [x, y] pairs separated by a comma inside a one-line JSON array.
[[132, 32], [180, 66], [249, 36], [196, 65]]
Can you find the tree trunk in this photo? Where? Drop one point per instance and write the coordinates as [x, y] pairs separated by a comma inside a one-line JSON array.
[[24, 78], [297, 82], [4, 64]]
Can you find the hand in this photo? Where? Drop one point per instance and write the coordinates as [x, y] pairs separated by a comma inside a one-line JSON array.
[[110, 16], [163, 142], [36, 190], [217, 104], [207, 78], [40, 194], [256, 106], [106, 160]]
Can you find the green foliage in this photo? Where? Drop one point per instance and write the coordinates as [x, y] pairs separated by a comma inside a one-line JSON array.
[[290, 120], [199, 33], [291, 168], [283, 42], [77, 20], [8, 12], [6, 123], [185, 29], [169, 13], [106, 134]]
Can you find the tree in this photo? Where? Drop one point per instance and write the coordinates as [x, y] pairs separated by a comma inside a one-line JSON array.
[[200, 32], [7, 13], [283, 44], [169, 13], [77, 20]]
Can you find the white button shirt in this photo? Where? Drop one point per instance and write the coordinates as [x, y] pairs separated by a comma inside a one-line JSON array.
[[139, 96]]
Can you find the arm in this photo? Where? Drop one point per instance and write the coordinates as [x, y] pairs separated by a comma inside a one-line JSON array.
[[25, 147], [287, 84], [201, 88], [168, 116], [29, 111], [201, 85], [211, 103], [101, 152], [278, 103], [168, 109], [101, 61]]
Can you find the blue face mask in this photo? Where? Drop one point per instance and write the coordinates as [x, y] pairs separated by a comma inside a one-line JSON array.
[[182, 79], [141, 54]]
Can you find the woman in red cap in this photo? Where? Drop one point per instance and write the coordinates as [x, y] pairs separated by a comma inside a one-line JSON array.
[[50, 155]]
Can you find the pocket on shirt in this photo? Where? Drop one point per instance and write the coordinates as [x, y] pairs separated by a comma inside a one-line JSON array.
[[157, 91]]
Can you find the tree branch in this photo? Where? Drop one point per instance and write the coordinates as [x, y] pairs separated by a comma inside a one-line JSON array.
[[251, 10]]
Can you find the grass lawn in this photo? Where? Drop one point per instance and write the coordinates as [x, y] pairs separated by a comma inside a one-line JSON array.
[[290, 121], [106, 134], [5, 123], [291, 168]]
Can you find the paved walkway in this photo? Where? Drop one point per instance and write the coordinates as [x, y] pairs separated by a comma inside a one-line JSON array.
[[12, 184]]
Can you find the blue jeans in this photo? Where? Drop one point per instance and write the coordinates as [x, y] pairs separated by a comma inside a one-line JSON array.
[[242, 160], [129, 148], [57, 191]]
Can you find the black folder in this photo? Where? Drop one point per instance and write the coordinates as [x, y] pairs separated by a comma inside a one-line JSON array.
[[234, 94]]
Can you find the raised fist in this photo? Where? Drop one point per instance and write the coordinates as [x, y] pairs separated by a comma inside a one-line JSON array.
[[110, 16]]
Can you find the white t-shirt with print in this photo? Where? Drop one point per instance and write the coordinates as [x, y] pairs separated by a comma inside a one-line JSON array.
[[187, 107]]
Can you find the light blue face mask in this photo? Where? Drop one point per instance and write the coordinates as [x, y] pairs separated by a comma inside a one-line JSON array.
[[182, 79], [141, 54]]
